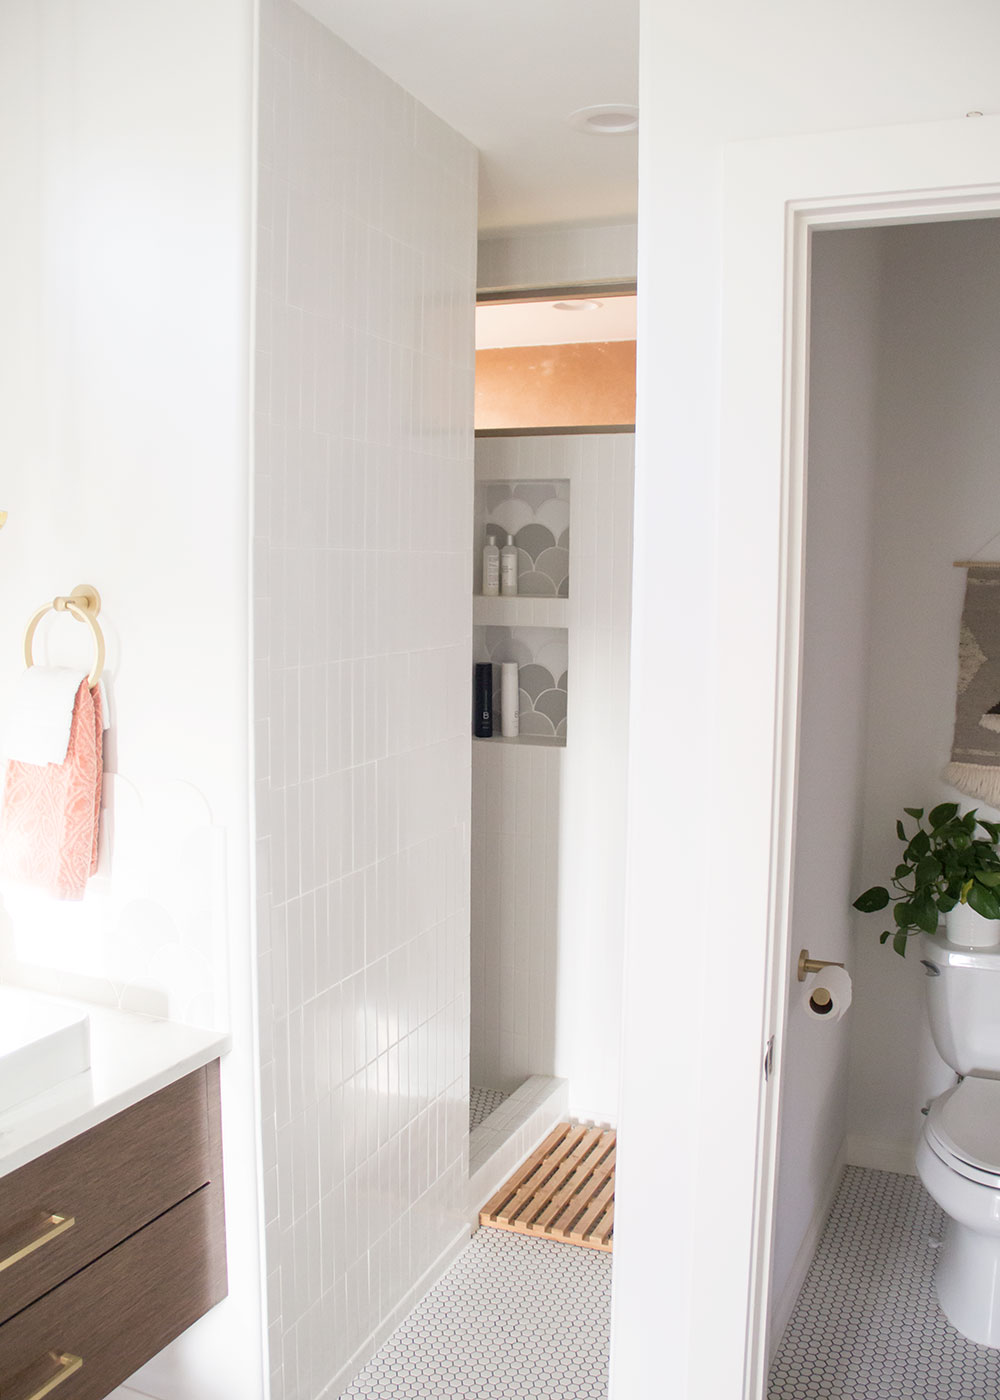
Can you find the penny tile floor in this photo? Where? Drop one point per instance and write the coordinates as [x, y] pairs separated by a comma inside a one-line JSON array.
[[514, 1318], [867, 1325]]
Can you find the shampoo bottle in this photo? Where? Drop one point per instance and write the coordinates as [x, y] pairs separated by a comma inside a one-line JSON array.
[[508, 568], [491, 568]]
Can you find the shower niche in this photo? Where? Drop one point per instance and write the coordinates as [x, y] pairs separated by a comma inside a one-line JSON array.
[[542, 658], [529, 629]]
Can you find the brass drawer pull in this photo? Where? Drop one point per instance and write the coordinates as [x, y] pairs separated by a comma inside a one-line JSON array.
[[66, 1365], [49, 1227]]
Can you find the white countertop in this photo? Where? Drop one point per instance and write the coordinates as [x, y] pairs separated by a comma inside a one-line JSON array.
[[131, 1057]]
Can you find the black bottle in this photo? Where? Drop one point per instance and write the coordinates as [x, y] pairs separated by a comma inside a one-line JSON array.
[[483, 724]]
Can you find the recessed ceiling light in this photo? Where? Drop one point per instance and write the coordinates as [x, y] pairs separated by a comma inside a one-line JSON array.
[[610, 119], [579, 304]]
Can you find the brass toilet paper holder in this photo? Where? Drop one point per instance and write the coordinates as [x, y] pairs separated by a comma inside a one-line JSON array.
[[821, 999], [808, 964]]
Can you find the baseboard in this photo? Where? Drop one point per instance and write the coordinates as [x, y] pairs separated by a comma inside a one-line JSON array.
[[881, 1156], [400, 1312], [782, 1307]]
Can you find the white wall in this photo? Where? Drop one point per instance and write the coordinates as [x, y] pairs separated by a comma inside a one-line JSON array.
[[557, 256], [844, 368], [713, 74], [939, 424], [548, 850], [366, 285], [125, 175]]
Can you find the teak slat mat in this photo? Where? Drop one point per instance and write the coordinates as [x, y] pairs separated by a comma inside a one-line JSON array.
[[564, 1191]]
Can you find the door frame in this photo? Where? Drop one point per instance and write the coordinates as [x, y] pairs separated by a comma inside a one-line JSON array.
[[777, 194]]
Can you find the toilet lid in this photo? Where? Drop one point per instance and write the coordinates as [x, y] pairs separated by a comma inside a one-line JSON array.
[[966, 1123]]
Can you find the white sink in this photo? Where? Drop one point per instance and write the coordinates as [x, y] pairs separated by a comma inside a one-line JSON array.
[[42, 1042]]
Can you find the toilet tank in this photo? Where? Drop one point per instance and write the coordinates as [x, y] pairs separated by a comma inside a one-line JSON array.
[[963, 1004]]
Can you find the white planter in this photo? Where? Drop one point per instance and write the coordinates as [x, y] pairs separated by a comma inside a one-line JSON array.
[[970, 929]]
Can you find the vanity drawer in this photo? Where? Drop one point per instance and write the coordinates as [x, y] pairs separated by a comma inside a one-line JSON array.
[[109, 1182], [122, 1310]]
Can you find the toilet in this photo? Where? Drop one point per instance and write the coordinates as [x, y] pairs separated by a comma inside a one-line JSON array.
[[958, 1156]]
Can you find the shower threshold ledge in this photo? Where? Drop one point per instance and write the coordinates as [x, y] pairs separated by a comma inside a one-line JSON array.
[[510, 1134]]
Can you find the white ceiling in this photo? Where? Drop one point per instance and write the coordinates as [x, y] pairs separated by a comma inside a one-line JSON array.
[[540, 323], [507, 75]]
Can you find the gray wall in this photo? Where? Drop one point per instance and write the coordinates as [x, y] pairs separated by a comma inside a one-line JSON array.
[[936, 501], [843, 389]]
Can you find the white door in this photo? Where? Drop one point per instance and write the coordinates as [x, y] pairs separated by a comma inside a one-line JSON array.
[[692, 1281]]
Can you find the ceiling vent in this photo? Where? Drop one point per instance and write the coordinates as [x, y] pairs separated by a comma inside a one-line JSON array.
[[610, 119]]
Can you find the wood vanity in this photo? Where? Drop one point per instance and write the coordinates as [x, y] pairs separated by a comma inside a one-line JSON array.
[[112, 1244]]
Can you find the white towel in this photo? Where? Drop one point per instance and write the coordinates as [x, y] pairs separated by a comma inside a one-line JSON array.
[[39, 719]]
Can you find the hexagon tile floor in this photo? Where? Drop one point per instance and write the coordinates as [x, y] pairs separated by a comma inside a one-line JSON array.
[[867, 1325], [513, 1319]]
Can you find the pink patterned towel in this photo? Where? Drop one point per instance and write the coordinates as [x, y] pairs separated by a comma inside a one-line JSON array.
[[51, 814]]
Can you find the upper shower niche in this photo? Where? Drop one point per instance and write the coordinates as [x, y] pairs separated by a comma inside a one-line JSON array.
[[536, 514]]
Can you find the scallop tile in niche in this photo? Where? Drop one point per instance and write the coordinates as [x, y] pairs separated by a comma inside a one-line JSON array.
[[534, 585], [531, 722], [554, 515], [553, 704], [555, 563], [534, 680], [534, 539], [535, 493], [496, 493], [508, 519], [552, 655]]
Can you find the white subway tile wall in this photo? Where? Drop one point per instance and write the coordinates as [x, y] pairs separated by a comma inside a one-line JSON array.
[[362, 641], [515, 911], [548, 831]]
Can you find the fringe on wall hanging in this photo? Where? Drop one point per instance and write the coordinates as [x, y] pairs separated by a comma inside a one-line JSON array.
[[975, 752]]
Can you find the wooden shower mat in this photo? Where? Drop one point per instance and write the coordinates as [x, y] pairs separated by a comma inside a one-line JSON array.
[[565, 1190]]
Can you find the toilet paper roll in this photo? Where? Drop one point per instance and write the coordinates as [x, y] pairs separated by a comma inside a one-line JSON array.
[[826, 995], [510, 723]]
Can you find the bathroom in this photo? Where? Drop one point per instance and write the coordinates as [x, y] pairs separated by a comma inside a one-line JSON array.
[[131, 390], [901, 475], [130, 412]]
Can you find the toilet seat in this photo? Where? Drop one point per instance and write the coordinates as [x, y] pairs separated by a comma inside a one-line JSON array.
[[963, 1130]]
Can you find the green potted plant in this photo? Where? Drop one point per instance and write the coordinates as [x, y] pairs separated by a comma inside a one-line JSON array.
[[946, 869]]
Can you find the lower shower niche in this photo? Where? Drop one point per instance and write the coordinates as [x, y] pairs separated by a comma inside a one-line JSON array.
[[541, 655]]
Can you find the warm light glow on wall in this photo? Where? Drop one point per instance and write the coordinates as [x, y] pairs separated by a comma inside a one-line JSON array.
[[556, 386]]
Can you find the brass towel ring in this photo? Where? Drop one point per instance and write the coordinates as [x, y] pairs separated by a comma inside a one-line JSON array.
[[84, 603]]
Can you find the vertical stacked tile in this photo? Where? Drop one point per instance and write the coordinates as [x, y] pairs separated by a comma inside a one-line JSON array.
[[362, 640]]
